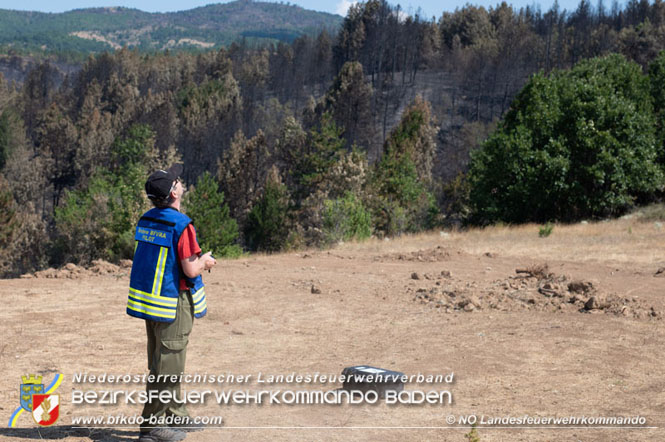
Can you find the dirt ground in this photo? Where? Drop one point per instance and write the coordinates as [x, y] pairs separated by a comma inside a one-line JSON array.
[[568, 325]]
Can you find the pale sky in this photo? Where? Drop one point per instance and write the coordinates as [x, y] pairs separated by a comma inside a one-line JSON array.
[[429, 7]]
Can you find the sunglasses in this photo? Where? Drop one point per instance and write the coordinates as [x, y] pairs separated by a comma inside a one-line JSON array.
[[175, 183]]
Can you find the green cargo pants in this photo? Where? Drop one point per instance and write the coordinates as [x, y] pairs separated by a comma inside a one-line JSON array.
[[167, 351]]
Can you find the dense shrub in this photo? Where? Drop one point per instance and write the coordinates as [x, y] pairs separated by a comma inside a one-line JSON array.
[[346, 218], [267, 224], [576, 144], [399, 200]]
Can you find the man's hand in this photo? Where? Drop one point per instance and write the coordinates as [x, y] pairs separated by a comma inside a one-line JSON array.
[[208, 261], [195, 265]]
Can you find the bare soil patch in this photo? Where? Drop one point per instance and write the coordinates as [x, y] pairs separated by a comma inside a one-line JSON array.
[[438, 253], [73, 271], [533, 288], [580, 337]]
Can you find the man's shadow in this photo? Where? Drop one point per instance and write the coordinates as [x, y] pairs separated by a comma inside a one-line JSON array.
[[56, 432]]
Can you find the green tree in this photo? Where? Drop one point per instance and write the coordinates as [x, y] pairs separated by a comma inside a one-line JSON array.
[[320, 168], [471, 24], [93, 223], [401, 201], [98, 220], [133, 149], [267, 223], [577, 144], [290, 147], [324, 148], [209, 113], [414, 137], [216, 231], [349, 102], [241, 172]]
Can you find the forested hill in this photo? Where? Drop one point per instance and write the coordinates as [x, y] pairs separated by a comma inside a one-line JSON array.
[[215, 25], [388, 125]]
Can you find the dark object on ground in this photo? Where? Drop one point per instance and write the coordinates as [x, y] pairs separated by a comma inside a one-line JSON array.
[[366, 378]]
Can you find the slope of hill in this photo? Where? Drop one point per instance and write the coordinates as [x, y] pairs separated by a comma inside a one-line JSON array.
[[98, 29]]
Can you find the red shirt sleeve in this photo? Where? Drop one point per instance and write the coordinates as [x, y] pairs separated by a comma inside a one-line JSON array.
[[187, 247]]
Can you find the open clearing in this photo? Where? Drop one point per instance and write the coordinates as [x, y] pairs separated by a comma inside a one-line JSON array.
[[533, 342]]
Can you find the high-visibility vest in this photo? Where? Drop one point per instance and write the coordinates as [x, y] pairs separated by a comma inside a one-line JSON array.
[[154, 282]]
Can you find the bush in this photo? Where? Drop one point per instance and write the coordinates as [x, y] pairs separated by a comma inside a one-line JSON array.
[[546, 230], [216, 231], [454, 199], [400, 202], [267, 222], [346, 218], [579, 144]]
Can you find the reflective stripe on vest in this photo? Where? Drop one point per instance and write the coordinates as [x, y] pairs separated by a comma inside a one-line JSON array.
[[154, 285], [199, 299], [152, 304]]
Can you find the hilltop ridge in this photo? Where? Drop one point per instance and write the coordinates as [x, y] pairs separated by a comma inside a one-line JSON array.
[[108, 28]]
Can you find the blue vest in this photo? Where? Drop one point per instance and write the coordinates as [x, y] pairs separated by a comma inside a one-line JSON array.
[[154, 283]]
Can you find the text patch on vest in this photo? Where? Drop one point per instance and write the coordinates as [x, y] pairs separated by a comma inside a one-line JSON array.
[[153, 236]]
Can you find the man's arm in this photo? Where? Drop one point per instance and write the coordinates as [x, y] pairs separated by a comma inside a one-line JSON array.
[[188, 251], [195, 265]]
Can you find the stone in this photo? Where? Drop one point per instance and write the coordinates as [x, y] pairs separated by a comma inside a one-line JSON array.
[[580, 286], [577, 299], [125, 263], [595, 303]]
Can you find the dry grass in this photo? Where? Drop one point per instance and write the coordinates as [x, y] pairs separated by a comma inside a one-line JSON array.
[[621, 241]]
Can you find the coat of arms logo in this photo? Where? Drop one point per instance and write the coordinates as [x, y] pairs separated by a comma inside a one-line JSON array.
[[31, 385], [38, 400], [45, 409]]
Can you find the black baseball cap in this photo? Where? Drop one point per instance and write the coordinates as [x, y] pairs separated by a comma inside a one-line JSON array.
[[159, 184]]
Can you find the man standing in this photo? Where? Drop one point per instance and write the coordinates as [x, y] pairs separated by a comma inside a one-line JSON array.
[[166, 290]]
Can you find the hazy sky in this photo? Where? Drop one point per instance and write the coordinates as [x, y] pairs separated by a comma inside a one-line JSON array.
[[429, 7]]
